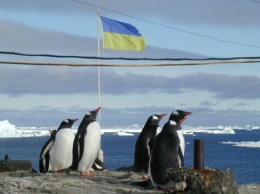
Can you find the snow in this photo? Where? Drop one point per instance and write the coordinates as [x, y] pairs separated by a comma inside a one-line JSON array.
[[9, 130], [212, 130], [251, 144]]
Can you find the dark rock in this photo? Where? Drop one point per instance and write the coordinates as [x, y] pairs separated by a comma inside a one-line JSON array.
[[15, 165], [191, 181], [102, 183]]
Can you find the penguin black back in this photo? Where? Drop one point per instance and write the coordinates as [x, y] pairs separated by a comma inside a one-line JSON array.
[[79, 137], [142, 150], [44, 160], [166, 152]]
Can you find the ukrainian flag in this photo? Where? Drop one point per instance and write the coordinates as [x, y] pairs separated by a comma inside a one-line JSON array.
[[121, 36]]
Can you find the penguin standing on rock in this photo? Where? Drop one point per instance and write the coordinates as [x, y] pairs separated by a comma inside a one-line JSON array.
[[61, 150], [142, 149], [167, 151], [86, 144], [44, 160]]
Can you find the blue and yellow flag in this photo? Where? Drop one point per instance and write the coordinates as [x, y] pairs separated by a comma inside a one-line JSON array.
[[121, 36]]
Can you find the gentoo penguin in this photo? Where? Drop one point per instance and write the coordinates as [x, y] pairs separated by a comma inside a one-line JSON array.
[[167, 151], [62, 148], [6, 157], [142, 150], [86, 144], [44, 160]]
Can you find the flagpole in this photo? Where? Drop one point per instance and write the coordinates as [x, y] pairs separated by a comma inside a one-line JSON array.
[[98, 68]]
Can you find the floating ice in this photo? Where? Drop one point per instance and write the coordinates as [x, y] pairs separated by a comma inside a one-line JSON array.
[[9, 130], [251, 144]]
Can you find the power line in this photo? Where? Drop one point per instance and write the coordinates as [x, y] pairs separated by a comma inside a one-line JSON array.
[[255, 1], [173, 28], [128, 58], [192, 63], [243, 91]]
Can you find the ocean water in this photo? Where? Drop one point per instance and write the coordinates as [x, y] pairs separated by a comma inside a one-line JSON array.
[[119, 152]]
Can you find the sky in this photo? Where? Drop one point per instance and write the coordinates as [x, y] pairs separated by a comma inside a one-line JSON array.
[[226, 94]]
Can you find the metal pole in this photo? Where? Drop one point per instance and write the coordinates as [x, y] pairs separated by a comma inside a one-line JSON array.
[[98, 68], [199, 154]]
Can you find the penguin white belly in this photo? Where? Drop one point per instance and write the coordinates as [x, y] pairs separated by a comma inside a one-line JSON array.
[[91, 147], [182, 141], [61, 151], [150, 173], [158, 130]]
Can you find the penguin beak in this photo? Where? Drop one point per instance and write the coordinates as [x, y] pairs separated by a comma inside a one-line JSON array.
[[185, 114], [163, 115], [74, 120], [97, 109]]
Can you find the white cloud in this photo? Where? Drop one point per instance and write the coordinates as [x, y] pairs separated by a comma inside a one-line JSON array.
[[46, 95]]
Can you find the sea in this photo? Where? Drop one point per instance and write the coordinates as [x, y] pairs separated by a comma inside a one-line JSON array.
[[220, 151]]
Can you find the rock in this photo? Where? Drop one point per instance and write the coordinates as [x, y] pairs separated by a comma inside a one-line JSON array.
[[249, 189], [15, 165], [62, 183], [210, 181], [114, 182]]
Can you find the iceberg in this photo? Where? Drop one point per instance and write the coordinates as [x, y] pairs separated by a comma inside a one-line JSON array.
[[212, 130], [250, 144], [7, 129], [122, 133]]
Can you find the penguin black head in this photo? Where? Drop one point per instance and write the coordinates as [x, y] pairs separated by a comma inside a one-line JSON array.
[[179, 116], [6, 157], [67, 123], [91, 116], [154, 119], [53, 133]]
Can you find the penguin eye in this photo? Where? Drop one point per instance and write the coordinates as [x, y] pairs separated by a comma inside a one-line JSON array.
[[66, 121], [155, 117], [173, 123]]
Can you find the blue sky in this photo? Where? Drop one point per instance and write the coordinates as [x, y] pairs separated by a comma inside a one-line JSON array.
[[44, 96]]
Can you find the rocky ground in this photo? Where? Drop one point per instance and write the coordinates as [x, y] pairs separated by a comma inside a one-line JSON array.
[[102, 182]]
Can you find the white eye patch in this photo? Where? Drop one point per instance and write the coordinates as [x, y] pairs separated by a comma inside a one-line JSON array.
[[175, 113], [66, 121], [155, 117], [173, 123]]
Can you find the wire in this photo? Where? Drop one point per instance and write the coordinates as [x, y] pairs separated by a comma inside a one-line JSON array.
[[173, 28], [128, 65], [255, 1], [129, 59], [228, 98]]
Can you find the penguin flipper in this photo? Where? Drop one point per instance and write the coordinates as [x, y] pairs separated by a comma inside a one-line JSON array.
[[75, 152], [150, 144], [181, 156], [98, 165], [46, 148]]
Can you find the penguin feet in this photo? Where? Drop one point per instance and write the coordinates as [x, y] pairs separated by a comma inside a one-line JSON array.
[[87, 173], [145, 177]]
